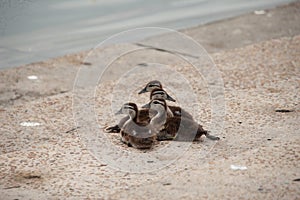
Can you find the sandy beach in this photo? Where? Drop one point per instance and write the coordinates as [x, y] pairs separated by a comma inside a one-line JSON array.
[[45, 152]]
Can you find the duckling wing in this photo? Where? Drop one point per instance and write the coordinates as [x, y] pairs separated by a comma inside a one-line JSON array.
[[185, 114], [186, 129], [195, 131], [180, 112], [172, 126]]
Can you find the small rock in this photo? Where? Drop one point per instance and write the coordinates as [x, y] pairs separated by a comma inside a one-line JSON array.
[[86, 63], [32, 77], [238, 167], [30, 124], [283, 110], [259, 12]]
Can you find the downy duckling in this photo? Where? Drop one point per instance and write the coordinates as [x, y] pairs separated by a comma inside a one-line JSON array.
[[186, 127], [142, 117], [159, 93], [143, 114], [155, 87], [150, 86], [141, 135]]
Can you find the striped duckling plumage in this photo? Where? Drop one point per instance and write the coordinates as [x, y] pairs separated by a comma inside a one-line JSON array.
[[179, 128], [137, 134], [143, 114], [151, 86], [159, 93], [156, 91], [141, 117]]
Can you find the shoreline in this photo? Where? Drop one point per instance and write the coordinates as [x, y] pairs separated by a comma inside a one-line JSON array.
[[215, 37]]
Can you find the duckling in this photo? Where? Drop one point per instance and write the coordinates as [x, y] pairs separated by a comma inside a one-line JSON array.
[[141, 135], [134, 133], [150, 86], [156, 86], [185, 126], [142, 117], [143, 114], [159, 93]]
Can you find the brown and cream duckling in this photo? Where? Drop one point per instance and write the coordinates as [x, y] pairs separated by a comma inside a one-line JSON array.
[[179, 128], [143, 114], [159, 93], [142, 117], [155, 87], [150, 86], [141, 135]]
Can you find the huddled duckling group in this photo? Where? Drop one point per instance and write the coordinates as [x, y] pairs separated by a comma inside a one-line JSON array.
[[156, 121]]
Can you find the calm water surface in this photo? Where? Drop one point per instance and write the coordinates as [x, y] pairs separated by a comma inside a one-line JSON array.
[[32, 30]]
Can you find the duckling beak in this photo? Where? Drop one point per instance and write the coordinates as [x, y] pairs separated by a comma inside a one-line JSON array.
[[146, 105], [143, 90], [170, 98], [119, 112]]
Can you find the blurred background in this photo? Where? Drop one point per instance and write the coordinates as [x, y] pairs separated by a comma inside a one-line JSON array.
[[32, 30]]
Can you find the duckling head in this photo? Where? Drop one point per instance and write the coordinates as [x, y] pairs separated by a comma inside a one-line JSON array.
[[156, 105], [159, 93], [130, 109], [150, 86]]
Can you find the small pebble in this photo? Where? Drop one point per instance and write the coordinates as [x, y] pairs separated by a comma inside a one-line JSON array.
[[143, 64], [238, 167], [283, 110], [259, 12], [30, 124], [32, 77], [86, 63]]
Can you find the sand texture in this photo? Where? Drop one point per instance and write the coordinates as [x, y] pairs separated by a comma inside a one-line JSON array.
[[43, 144]]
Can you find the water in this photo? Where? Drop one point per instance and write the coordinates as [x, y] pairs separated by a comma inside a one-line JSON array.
[[32, 30]]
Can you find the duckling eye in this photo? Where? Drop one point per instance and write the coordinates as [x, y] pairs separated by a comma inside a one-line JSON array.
[[160, 93]]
